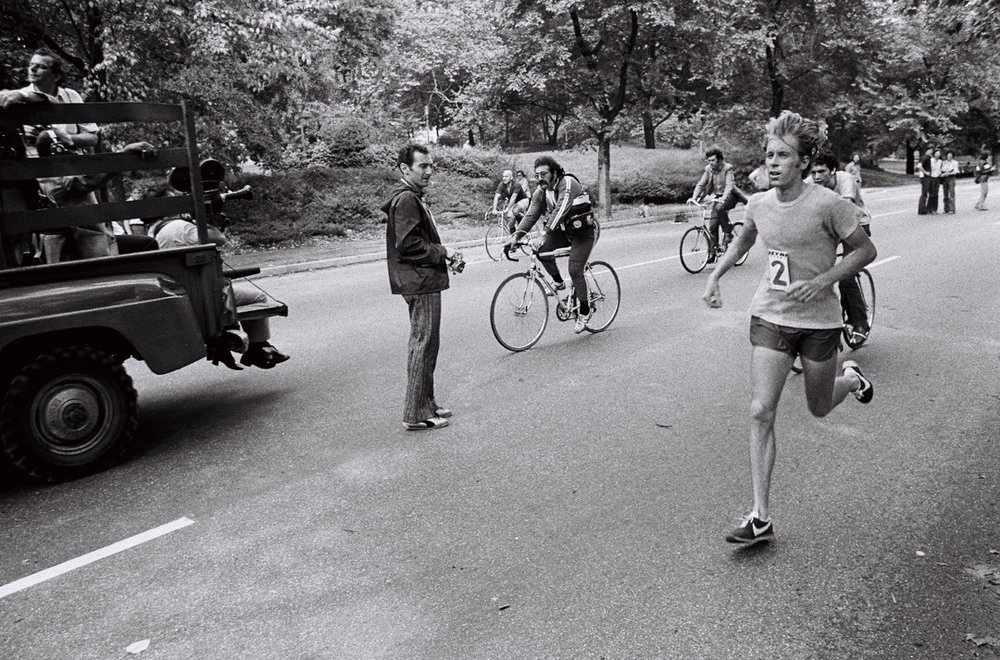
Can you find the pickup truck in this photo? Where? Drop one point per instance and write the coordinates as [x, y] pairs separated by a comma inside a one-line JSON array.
[[67, 405]]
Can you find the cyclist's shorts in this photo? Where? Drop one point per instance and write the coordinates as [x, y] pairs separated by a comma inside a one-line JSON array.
[[816, 345]]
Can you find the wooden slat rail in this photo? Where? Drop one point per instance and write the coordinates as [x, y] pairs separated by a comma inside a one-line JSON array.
[[14, 170], [20, 222], [97, 113], [37, 168]]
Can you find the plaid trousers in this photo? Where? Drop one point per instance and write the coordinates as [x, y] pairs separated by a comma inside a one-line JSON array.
[[421, 359]]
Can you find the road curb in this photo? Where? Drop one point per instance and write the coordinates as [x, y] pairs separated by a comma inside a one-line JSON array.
[[370, 257]]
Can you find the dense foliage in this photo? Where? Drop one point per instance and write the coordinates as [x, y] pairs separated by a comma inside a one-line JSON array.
[[293, 84]]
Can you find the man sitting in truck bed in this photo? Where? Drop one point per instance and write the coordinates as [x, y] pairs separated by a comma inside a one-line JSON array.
[[85, 241]]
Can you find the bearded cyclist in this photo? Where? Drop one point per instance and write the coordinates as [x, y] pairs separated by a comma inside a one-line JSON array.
[[571, 223], [719, 181]]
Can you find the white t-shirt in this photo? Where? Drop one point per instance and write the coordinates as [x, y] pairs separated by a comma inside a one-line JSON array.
[[845, 186], [176, 233], [803, 235]]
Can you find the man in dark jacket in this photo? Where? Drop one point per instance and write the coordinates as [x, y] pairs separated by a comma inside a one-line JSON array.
[[418, 270]]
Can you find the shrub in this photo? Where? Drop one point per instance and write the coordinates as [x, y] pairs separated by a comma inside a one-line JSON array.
[[647, 187], [295, 205], [474, 163]]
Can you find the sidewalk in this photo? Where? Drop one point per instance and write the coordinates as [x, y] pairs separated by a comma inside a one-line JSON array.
[[346, 252]]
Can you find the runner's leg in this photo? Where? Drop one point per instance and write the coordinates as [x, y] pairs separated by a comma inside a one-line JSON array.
[[769, 369], [825, 390]]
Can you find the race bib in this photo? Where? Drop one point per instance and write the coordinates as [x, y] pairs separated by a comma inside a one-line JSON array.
[[778, 270]]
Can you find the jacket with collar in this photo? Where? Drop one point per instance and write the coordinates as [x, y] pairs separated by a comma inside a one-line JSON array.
[[416, 260]]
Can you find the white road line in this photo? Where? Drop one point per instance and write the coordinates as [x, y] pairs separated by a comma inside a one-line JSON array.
[[91, 557], [882, 215], [884, 261], [646, 263]]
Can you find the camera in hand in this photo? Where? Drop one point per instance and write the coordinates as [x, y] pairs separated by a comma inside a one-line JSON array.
[[456, 263]]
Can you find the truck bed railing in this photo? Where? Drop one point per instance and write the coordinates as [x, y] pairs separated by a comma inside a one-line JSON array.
[[16, 214]]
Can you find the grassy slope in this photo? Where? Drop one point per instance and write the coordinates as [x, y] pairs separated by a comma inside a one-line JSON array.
[[626, 162]]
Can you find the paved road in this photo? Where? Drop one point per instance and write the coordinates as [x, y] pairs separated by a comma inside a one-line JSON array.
[[576, 506]]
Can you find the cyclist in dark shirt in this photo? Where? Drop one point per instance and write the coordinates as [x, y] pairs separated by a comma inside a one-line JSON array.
[[511, 198]]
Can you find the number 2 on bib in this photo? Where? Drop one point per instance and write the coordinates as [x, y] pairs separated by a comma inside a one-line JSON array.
[[778, 270]]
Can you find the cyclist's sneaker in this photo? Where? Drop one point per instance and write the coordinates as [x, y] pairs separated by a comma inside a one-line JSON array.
[[864, 393], [559, 286], [752, 530], [582, 320]]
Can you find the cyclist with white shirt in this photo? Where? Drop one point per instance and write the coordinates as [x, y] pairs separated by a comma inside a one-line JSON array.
[[825, 173]]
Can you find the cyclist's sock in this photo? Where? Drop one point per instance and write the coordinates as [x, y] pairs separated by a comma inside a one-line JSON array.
[[584, 307]]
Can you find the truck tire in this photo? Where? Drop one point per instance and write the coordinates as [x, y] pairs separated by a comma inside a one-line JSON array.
[[68, 412]]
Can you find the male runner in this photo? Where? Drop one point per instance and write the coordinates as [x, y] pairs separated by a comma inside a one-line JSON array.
[[795, 309]]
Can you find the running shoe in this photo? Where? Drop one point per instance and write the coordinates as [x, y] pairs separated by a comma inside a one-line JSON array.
[[864, 393], [582, 320], [752, 530], [559, 286]]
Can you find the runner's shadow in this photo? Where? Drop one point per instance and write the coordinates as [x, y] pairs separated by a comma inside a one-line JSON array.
[[754, 555]]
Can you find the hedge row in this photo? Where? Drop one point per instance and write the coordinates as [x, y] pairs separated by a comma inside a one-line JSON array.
[[298, 204]]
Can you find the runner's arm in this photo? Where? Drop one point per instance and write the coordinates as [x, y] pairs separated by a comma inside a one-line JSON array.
[[862, 253], [737, 248]]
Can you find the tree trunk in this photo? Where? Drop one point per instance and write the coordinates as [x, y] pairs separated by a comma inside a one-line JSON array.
[[777, 84], [545, 129], [910, 165], [506, 128], [553, 138], [604, 174], [648, 130]]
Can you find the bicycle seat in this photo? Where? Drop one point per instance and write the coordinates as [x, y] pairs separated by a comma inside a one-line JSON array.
[[560, 252]]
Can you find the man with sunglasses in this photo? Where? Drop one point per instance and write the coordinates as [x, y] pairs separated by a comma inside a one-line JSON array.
[[571, 223]]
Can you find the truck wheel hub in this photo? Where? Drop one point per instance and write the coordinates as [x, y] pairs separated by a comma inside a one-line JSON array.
[[71, 413]]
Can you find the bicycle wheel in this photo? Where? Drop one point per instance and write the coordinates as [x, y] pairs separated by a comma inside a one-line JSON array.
[[519, 312], [605, 294], [867, 285], [737, 228], [496, 238], [695, 249]]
